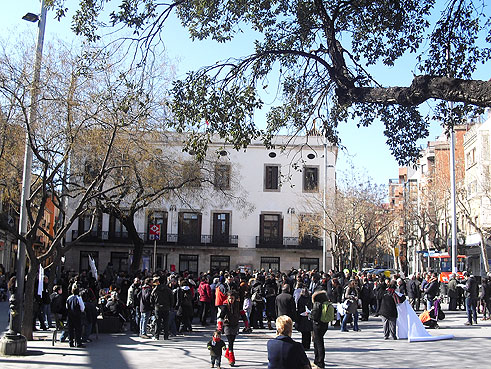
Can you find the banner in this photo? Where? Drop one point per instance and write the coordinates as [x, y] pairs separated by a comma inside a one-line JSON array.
[[41, 280], [93, 268]]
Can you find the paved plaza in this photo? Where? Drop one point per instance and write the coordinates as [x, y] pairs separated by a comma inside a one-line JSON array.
[[365, 349]]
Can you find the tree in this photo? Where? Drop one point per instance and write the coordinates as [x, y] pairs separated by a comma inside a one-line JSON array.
[[356, 218], [75, 101], [324, 56]]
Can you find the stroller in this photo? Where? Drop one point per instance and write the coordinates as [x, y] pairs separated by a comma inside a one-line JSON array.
[[430, 318]]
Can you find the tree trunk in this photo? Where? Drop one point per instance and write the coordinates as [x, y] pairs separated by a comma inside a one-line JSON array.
[[138, 244], [28, 307], [484, 252], [53, 269]]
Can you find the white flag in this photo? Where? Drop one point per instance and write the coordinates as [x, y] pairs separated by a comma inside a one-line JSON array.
[[93, 268], [41, 280]]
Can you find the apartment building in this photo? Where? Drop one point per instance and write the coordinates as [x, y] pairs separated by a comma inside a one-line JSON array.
[[270, 192]]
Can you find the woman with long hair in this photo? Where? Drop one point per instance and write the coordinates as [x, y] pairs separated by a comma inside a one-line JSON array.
[[229, 323]]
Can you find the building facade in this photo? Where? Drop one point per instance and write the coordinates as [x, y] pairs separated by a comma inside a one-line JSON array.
[[256, 224]]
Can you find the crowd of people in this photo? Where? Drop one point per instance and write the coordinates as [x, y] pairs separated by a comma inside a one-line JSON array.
[[164, 304]]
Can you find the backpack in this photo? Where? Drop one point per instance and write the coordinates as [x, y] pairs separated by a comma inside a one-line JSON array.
[[327, 314], [256, 297]]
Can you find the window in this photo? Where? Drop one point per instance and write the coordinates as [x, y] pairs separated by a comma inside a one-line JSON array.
[[116, 228], [271, 177], [310, 179], [191, 174], [189, 228], [119, 261], [309, 263], [219, 263], [158, 218], [221, 227], [85, 220], [222, 177], [271, 229], [84, 260], [272, 263], [188, 263]]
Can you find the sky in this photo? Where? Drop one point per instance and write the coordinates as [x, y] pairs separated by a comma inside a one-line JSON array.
[[365, 146]]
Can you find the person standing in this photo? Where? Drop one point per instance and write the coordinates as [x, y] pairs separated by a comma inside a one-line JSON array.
[[283, 351], [388, 311], [285, 303], [366, 296], [75, 307], [432, 289], [216, 346], [471, 293], [133, 304], [303, 321], [58, 308], [162, 299], [229, 323], [351, 300], [204, 292], [145, 306], [452, 292], [257, 299], [413, 291], [319, 328]]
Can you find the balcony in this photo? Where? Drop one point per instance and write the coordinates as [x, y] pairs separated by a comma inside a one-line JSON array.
[[92, 236], [167, 239], [203, 240], [288, 243]]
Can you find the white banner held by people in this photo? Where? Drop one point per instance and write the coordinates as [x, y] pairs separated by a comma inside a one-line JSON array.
[[41, 280], [93, 268]]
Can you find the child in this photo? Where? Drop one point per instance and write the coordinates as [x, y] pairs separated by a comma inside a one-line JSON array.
[[216, 346], [247, 307]]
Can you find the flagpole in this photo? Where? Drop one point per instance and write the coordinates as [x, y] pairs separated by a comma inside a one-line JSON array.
[[154, 255]]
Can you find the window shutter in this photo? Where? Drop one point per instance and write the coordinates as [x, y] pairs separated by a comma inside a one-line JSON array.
[[261, 225], [281, 229]]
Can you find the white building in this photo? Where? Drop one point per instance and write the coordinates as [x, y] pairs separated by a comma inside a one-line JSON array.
[[276, 187], [478, 190]]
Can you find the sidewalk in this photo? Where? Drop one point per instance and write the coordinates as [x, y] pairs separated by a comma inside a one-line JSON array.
[[365, 349]]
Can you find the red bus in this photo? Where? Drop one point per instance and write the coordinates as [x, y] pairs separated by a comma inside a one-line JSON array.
[[442, 264]]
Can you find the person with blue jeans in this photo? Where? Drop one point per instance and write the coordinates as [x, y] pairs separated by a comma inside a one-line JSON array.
[[351, 295], [145, 306], [471, 293], [58, 308]]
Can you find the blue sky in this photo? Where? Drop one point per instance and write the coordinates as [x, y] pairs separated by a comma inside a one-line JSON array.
[[366, 147]]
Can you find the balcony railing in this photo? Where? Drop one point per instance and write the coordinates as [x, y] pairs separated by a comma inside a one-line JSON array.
[[167, 239], [288, 242], [92, 236], [204, 240]]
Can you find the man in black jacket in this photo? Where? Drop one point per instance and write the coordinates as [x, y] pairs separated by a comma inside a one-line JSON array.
[[285, 303], [58, 309], [432, 289], [162, 299], [471, 293], [388, 311]]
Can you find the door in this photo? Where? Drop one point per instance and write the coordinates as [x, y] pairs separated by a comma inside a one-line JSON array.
[[221, 227]]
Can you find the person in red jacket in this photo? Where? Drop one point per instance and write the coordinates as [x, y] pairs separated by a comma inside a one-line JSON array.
[[204, 292]]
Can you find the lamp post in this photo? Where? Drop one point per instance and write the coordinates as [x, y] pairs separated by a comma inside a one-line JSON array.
[[13, 343]]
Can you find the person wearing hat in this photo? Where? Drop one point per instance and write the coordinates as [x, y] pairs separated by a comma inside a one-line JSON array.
[[162, 299]]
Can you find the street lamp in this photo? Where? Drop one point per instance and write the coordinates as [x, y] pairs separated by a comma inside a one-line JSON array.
[[14, 343]]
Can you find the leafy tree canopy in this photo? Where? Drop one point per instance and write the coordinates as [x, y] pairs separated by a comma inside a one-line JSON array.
[[322, 53]]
